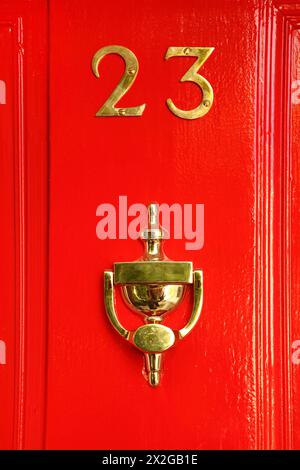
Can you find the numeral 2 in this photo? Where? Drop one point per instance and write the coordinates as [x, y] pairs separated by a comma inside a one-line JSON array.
[[127, 80]]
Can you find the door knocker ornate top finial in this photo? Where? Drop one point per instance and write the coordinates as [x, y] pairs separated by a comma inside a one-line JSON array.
[[153, 286]]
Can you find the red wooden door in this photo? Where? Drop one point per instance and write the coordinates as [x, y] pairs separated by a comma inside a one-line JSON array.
[[67, 379]]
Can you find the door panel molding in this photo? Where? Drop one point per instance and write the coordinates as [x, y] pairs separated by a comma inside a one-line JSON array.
[[25, 196], [13, 238], [273, 314]]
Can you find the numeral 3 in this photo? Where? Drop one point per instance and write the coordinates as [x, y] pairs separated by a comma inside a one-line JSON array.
[[202, 54]]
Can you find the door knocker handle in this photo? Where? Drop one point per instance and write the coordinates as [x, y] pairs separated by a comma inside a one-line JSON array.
[[153, 286]]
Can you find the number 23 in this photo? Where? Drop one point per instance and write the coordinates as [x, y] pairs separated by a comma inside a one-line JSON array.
[[130, 74]]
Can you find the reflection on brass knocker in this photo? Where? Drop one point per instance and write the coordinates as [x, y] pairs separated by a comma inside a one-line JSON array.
[[153, 286]]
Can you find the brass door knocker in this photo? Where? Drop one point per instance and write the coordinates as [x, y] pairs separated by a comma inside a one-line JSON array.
[[153, 286]]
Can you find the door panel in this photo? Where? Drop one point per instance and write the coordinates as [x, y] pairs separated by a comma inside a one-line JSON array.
[[232, 383], [97, 396]]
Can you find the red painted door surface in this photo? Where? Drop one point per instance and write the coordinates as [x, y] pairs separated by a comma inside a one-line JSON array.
[[67, 379]]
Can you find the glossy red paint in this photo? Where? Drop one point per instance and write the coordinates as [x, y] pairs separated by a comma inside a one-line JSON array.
[[70, 381], [23, 235]]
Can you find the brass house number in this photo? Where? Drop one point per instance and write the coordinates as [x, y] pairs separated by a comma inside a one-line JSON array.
[[131, 70]]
